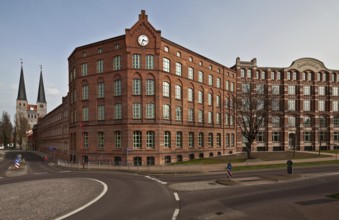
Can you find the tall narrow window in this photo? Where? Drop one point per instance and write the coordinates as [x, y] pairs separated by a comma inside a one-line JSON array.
[[190, 73], [166, 112], [149, 61], [136, 87], [218, 83], [100, 66], [219, 140], [136, 110], [210, 99], [178, 92], [101, 112], [201, 139], [166, 89], [190, 115], [190, 139], [137, 143], [200, 97], [101, 90], [117, 63], [150, 110], [84, 69], [200, 116], [210, 139], [179, 140], [167, 139], [166, 64], [178, 69], [85, 135], [190, 95], [101, 140], [200, 76], [150, 87], [150, 139], [85, 113], [117, 111], [136, 61], [84, 92], [117, 135], [210, 80], [178, 113], [117, 88]]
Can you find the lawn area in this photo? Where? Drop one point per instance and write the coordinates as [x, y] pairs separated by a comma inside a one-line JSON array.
[[242, 157]]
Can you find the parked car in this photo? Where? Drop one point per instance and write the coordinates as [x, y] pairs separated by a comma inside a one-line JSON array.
[[2, 147]]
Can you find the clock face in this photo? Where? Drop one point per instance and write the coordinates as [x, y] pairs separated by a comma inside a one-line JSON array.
[[143, 40]]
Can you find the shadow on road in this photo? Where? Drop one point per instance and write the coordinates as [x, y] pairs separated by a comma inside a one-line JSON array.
[[28, 156]]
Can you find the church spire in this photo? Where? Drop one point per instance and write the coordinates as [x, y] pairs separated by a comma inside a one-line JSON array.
[[22, 89], [41, 91]]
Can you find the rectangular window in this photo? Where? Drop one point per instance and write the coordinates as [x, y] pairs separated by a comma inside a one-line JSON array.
[[242, 73], [249, 73], [85, 139], [201, 139], [335, 91], [209, 99], [307, 136], [166, 65], [210, 80], [84, 92], [150, 139], [149, 62], [200, 116], [335, 106], [190, 139], [150, 110], [117, 88], [200, 76], [178, 92], [117, 111], [210, 139], [190, 114], [200, 97], [150, 87], [321, 90], [166, 89], [167, 139], [218, 83], [210, 117], [336, 136], [278, 76], [275, 136], [85, 113], [291, 90], [137, 139], [275, 89], [117, 63], [291, 105], [178, 113], [101, 140], [272, 75], [190, 73], [136, 110], [101, 112], [219, 140], [190, 95], [136, 87], [307, 105], [218, 118], [101, 90], [178, 69], [218, 101], [117, 135], [307, 90], [100, 66], [179, 140], [84, 69], [276, 105], [321, 105], [260, 136], [136, 61], [166, 112]]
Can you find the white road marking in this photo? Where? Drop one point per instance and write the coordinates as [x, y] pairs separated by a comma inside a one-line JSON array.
[[88, 204], [175, 214], [40, 173], [176, 196], [65, 171], [156, 180]]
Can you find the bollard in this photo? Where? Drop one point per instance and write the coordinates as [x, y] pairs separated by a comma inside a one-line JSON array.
[[289, 167]]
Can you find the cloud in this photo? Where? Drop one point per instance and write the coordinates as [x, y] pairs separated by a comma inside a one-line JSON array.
[[52, 91]]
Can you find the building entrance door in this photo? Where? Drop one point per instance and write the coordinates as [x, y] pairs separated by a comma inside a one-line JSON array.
[[291, 141]]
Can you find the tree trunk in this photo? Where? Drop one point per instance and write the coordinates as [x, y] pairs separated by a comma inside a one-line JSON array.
[[248, 150]]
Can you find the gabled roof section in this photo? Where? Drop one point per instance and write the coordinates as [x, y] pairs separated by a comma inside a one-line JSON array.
[[41, 91], [142, 23], [308, 63], [22, 89]]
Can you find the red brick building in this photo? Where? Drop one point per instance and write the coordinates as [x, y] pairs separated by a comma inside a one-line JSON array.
[[306, 115], [142, 99]]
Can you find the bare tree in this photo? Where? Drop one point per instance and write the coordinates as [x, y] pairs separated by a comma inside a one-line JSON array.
[[6, 128], [21, 127], [251, 108]]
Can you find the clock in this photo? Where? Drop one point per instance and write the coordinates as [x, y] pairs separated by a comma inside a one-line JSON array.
[[143, 40]]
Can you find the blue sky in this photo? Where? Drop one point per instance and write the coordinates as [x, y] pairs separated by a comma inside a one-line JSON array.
[[45, 32]]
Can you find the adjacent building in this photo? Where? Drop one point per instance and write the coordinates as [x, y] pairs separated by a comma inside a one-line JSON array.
[[305, 115]]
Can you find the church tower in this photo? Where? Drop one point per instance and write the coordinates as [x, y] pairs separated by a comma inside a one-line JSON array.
[[21, 101], [41, 101]]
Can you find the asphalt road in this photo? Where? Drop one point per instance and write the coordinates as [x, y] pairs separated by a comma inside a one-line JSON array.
[[132, 196]]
